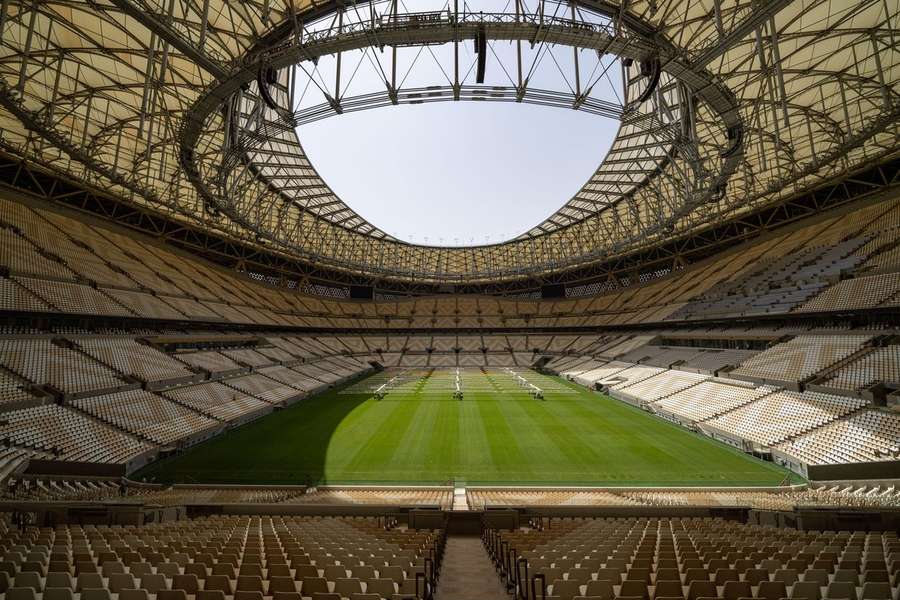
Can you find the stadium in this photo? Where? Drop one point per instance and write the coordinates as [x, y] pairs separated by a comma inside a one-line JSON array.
[[219, 381]]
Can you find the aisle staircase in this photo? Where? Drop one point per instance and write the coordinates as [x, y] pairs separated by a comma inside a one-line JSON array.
[[467, 572]]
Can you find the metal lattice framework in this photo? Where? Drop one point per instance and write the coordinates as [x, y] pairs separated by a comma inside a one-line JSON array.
[[190, 107]]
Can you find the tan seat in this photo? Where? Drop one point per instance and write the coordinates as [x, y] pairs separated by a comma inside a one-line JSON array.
[[279, 570], [21, 593], [876, 591], [820, 576], [303, 571], [614, 576], [250, 583], [121, 581], [383, 587], [133, 595], [187, 582], [732, 590], [565, 590], [724, 575], [634, 589], [702, 589], [168, 569], [153, 583], [171, 595], [841, 590], [95, 594], [87, 581], [58, 593], [807, 590], [312, 585], [28, 580], [788, 576], [668, 589], [281, 584]]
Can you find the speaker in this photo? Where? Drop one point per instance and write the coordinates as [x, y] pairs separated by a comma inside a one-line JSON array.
[[555, 290], [362, 292]]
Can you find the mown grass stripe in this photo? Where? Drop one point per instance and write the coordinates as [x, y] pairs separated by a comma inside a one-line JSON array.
[[502, 436]]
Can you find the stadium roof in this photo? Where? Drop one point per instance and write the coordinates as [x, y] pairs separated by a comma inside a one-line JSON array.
[[187, 107]]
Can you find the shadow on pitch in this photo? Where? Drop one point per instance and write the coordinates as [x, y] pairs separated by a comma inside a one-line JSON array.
[[286, 447]]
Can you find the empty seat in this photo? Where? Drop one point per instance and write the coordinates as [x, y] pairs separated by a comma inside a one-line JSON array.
[[58, 593], [807, 590]]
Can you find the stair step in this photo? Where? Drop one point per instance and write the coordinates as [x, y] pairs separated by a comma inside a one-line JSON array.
[[467, 572]]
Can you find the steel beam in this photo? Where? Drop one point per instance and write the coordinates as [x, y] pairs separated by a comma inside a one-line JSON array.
[[760, 13], [156, 24]]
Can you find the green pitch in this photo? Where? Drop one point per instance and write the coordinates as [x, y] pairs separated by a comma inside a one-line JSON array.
[[498, 434]]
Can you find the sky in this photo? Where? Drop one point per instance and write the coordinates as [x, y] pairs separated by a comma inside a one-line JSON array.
[[457, 173]]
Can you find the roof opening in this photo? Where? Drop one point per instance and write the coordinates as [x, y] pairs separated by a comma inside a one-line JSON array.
[[457, 174]]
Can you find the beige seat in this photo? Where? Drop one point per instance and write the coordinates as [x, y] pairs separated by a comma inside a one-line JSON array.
[[133, 595], [17, 593], [87, 581], [383, 587], [565, 590], [807, 590], [153, 582], [121, 581], [218, 583], [95, 594], [841, 590], [58, 593], [28, 580], [281, 584], [876, 591], [312, 585]]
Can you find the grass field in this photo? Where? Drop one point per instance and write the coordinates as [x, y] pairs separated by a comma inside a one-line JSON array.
[[498, 434]]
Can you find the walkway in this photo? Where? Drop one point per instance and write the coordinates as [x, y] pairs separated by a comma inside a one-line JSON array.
[[467, 572]]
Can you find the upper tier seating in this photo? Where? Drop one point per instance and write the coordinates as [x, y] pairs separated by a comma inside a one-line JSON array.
[[801, 357], [71, 266]]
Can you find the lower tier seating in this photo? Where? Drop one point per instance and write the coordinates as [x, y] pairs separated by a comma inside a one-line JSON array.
[[68, 435], [218, 557], [869, 435], [148, 416], [698, 558], [783, 414]]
